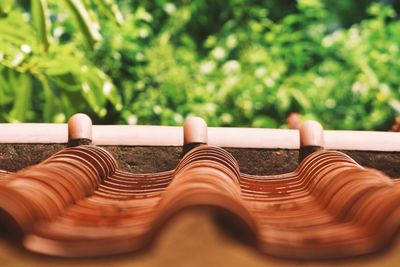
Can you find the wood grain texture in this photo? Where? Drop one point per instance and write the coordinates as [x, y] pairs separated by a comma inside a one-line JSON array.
[[77, 203]]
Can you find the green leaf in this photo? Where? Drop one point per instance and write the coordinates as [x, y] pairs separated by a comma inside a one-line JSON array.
[[92, 91], [41, 22], [50, 106], [112, 95], [22, 85], [5, 7], [300, 98], [110, 9], [84, 22], [262, 121], [15, 45], [6, 94], [283, 99]]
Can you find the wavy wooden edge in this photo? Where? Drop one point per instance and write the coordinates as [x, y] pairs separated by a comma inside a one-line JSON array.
[[141, 135], [329, 207]]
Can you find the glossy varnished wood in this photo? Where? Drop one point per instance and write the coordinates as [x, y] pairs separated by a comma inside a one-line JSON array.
[[77, 203]]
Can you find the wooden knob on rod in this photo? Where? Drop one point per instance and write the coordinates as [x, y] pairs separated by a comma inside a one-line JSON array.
[[195, 133], [79, 130], [311, 138]]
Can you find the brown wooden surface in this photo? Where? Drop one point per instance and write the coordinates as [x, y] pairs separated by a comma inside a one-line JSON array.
[[193, 239], [77, 202]]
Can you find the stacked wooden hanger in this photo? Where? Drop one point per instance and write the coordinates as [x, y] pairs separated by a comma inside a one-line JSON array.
[[78, 203]]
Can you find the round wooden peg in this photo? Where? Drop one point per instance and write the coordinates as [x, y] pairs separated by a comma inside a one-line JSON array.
[[195, 131], [79, 128], [311, 138], [311, 134]]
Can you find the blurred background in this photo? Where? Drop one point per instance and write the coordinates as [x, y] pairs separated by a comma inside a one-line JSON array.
[[235, 63]]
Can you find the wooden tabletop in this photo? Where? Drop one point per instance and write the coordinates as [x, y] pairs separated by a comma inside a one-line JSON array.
[[193, 239]]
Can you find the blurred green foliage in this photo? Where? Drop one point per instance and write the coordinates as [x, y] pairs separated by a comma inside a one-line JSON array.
[[235, 63]]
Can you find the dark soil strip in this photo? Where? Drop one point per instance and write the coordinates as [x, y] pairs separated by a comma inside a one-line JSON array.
[[142, 159], [137, 159], [387, 162], [14, 157], [265, 161]]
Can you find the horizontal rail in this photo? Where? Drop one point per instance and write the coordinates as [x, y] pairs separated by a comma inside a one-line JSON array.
[[136, 135]]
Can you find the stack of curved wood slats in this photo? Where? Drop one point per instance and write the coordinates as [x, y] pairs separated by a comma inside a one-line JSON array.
[[78, 203]]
